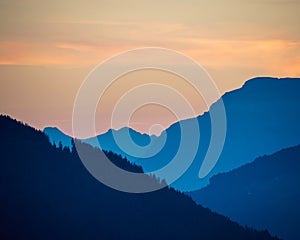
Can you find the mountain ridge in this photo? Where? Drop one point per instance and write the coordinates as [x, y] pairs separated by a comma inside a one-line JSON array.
[[262, 117], [262, 194], [47, 193]]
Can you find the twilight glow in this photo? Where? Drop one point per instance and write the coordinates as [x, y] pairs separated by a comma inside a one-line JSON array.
[[48, 47]]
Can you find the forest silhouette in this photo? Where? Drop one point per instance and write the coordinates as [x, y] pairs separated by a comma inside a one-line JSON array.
[[46, 193]]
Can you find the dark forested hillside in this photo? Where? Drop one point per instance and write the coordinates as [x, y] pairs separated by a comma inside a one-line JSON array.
[[46, 193], [261, 194]]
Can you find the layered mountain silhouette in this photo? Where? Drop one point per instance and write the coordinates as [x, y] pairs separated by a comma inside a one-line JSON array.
[[104, 141], [46, 193], [57, 137], [262, 117], [261, 194]]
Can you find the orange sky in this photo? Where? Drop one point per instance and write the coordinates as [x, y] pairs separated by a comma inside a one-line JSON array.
[[48, 47]]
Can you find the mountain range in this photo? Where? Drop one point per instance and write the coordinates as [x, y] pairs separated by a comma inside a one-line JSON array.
[[262, 117], [46, 193], [106, 140]]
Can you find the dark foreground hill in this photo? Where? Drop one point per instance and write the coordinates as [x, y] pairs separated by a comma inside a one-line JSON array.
[[46, 193], [261, 194]]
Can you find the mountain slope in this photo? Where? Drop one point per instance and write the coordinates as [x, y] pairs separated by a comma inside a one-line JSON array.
[[56, 137], [262, 117], [105, 141], [46, 193], [261, 194]]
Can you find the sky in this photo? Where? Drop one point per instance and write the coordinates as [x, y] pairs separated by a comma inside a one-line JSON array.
[[47, 48]]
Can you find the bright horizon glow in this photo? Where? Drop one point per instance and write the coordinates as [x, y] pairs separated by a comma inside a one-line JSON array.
[[48, 48]]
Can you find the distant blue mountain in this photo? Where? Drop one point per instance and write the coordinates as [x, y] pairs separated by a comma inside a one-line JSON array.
[[56, 137], [262, 194], [105, 141], [262, 117]]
